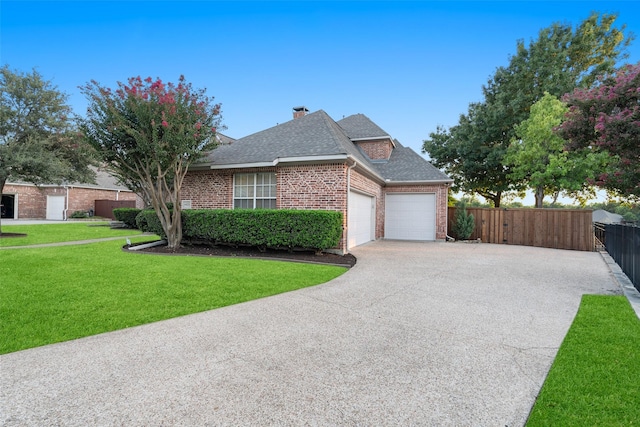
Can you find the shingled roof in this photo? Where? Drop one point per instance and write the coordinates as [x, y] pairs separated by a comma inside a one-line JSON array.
[[359, 126], [103, 181], [314, 135], [317, 137]]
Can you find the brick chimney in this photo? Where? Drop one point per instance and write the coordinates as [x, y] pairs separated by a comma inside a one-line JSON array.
[[299, 112]]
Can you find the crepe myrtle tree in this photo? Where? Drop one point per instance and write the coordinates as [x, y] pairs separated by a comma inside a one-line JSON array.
[[606, 118], [147, 133]]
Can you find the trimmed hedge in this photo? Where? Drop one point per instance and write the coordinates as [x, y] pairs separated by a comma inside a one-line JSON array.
[[147, 221], [127, 215], [263, 228]]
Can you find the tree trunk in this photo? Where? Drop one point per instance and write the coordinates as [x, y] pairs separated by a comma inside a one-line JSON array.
[[493, 198], [539, 197], [174, 229]]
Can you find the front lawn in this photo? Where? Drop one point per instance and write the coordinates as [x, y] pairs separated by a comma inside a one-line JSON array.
[[55, 294], [62, 232], [595, 378]]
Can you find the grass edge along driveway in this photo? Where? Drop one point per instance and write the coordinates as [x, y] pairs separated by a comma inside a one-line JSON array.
[[55, 294], [595, 377]]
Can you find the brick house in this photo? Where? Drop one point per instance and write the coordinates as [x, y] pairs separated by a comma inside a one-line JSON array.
[[384, 190], [21, 200]]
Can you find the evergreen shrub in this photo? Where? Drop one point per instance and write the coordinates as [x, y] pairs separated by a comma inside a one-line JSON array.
[[127, 216]]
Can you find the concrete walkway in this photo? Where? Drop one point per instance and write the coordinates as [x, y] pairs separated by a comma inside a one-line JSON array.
[[445, 334]]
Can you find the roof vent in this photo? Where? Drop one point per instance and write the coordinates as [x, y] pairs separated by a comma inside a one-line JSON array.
[[299, 112]]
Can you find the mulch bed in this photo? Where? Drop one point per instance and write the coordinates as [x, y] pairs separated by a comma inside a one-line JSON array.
[[347, 260]]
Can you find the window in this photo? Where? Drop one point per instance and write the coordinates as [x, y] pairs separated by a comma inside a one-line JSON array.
[[254, 190]]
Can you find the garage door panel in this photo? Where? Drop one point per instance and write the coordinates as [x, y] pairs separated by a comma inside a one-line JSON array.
[[361, 214], [410, 216]]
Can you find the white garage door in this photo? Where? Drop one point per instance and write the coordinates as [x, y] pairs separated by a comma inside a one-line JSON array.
[[55, 207], [410, 216], [361, 214]]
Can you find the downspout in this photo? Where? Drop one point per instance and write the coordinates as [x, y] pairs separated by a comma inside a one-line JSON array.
[[355, 163], [117, 195], [447, 238], [66, 202]]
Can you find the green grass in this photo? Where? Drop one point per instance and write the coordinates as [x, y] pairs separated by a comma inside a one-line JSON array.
[[51, 233], [595, 378], [55, 294]]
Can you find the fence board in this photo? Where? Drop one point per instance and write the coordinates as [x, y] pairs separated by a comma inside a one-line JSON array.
[[548, 228]]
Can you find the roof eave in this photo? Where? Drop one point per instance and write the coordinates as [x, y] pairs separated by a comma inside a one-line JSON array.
[[372, 138], [391, 183], [279, 161]]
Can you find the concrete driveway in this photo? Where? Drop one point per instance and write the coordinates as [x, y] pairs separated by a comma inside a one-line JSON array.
[[416, 334]]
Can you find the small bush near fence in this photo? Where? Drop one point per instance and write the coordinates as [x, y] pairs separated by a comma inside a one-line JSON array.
[[283, 229], [464, 223], [127, 215], [79, 214]]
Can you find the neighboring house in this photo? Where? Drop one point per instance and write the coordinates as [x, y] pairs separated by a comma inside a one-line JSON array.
[[21, 200], [606, 217], [384, 190]]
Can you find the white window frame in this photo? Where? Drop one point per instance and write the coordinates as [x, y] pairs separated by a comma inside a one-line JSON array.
[[255, 190]]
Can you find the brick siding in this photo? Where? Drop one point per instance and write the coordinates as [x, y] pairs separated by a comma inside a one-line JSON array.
[[321, 187], [376, 149], [368, 186], [208, 189]]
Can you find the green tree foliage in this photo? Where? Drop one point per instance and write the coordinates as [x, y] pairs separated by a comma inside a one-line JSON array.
[[467, 157], [38, 141], [464, 223], [537, 157], [559, 60], [607, 118], [148, 133]]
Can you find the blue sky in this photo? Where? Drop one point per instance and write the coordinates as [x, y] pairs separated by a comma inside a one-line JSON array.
[[408, 66]]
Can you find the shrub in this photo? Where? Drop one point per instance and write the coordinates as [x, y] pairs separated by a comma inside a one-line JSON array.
[[464, 223], [79, 214], [127, 215], [305, 229], [147, 221]]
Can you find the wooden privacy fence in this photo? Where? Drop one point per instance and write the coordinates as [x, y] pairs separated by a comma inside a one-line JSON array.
[[547, 228], [104, 208]]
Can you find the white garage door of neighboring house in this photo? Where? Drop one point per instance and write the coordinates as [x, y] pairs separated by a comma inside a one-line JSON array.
[[410, 216], [361, 219], [55, 207]]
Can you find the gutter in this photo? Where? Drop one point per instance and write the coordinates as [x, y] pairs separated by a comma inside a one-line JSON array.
[[373, 138], [28, 184], [276, 162], [349, 158], [390, 183]]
